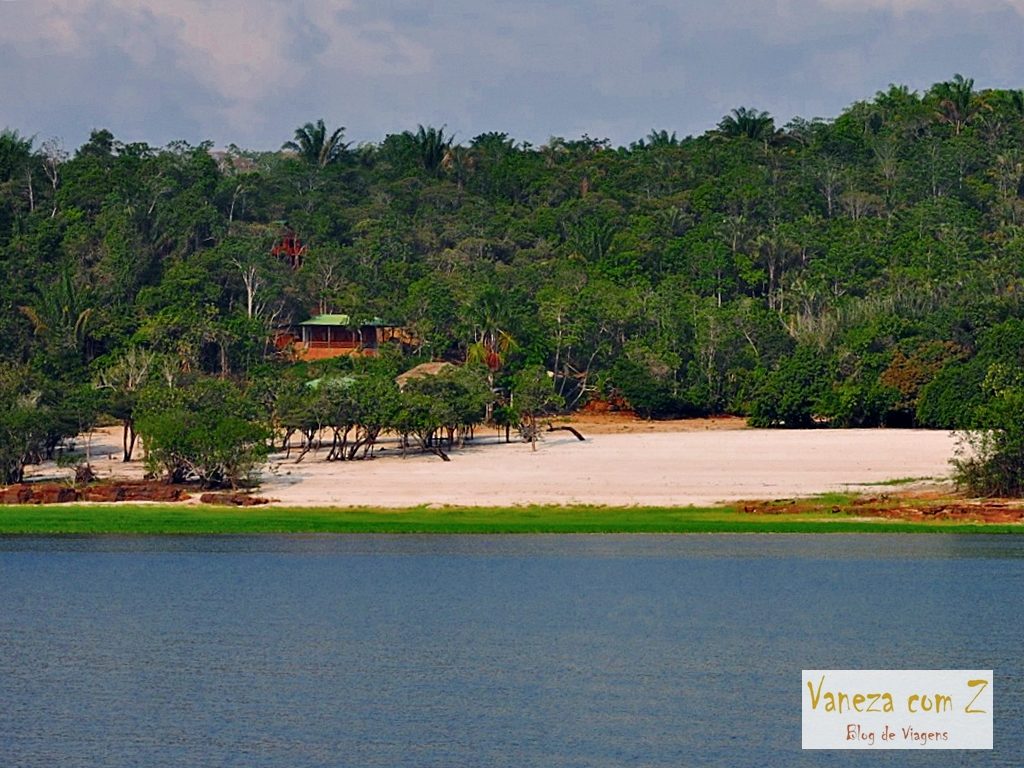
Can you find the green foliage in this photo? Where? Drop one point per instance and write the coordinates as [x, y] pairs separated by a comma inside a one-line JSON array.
[[990, 458], [205, 430], [958, 393], [952, 398], [36, 417], [533, 392], [647, 389], [533, 395], [314, 145], [681, 271], [794, 393], [748, 123], [24, 425]]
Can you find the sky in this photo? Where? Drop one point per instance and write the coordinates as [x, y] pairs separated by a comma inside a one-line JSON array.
[[249, 72]]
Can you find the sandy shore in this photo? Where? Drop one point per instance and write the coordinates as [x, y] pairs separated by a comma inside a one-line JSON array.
[[658, 468], [701, 463]]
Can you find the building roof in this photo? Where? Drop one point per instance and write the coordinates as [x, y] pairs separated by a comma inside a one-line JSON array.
[[343, 321], [422, 370], [332, 382]]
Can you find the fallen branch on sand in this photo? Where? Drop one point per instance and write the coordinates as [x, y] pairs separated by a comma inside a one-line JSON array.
[[552, 428]]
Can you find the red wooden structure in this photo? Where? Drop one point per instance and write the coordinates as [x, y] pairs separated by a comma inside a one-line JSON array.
[[290, 248]]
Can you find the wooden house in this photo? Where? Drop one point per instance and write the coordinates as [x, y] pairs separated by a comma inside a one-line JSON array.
[[326, 336]]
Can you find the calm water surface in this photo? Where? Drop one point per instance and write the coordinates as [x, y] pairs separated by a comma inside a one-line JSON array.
[[483, 651]]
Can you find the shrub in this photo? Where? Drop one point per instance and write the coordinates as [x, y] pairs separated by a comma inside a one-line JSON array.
[[990, 458], [648, 395], [35, 419], [951, 399], [205, 431], [794, 393], [533, 394]]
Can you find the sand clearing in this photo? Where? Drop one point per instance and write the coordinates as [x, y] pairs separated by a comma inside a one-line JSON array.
[[705, 462], [693, 467]]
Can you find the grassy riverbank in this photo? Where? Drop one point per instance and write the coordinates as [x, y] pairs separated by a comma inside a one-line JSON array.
[[831, 515]]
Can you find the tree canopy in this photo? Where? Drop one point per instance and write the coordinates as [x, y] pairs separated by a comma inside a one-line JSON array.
[[876, 257]]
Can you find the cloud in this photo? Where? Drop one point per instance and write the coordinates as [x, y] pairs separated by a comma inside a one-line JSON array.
[[249, 71], [901, 7]]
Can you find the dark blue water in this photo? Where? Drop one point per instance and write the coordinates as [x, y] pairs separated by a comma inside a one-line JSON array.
[[483, 651]]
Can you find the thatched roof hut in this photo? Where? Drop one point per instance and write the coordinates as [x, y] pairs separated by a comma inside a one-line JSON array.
[[420, 371]]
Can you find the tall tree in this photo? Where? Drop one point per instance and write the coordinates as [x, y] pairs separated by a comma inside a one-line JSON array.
[[313, 144], [957, 102], [431, 146], [750, 123]]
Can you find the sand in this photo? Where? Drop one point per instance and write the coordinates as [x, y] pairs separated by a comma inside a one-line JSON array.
[[699, 462], [658, 468]]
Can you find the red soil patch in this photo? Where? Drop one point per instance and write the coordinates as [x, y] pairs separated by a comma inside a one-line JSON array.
[[922, 507], [619, 422], [233, 499], [58, 493]]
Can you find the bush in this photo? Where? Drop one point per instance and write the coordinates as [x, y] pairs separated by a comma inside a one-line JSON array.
[[650, 395], [533, 395], [205, 431], [34, 421], [990, 458], [794, 393]]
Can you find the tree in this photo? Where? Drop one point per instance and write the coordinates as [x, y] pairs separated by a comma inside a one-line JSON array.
[[443, 406], [748, 123], [793, 394], [205, 431], [533, 395], [60, 318], [957, 102], [432, 146], [649, 394], [122, 380], [314, 146], [657, 139], [16, 187], [990, 456], [24, 424]]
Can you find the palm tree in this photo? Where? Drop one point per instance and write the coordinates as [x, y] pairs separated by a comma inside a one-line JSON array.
[[432, 146], [61, 315], [661, 139], [490, 319], [957, 104], [460, 162], [749, 123], [314, 145]]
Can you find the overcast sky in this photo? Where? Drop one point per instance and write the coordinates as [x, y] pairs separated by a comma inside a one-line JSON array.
[[250, 71]]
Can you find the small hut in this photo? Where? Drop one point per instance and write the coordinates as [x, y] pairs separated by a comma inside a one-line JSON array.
[[422, 371]]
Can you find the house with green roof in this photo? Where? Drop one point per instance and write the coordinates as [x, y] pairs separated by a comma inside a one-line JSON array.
[[334, 335]]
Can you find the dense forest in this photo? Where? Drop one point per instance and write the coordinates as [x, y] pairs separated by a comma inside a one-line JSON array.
[[862, 270]]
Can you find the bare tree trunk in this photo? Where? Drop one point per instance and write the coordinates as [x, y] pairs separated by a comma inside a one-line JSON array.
[[128, 439]]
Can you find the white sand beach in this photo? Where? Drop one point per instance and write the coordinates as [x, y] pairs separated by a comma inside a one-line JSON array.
[[698, 463], [664, 468]]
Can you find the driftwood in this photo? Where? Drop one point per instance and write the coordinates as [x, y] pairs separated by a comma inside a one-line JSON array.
[[552, 428]]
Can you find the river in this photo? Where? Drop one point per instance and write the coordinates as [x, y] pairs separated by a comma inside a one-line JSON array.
[[292, 651]]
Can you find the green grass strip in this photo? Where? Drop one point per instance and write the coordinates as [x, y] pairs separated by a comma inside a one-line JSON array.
[[148, 519]]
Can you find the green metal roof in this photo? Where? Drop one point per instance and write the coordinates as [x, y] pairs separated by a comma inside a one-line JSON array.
[[342, 321], [327, 320]]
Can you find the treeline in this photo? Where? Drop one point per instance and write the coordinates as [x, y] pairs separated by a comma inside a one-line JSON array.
[[219, 431], [860, 270]]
